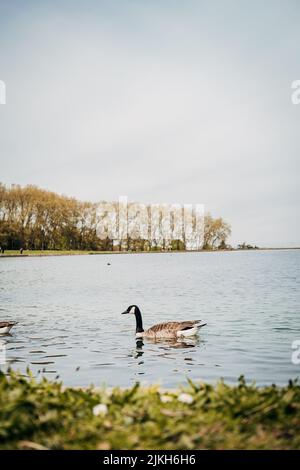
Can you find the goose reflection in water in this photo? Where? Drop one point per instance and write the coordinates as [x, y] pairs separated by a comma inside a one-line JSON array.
[[177, 343]]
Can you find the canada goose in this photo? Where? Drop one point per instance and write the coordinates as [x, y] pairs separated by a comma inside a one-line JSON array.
[[6, 326], [171, 329]]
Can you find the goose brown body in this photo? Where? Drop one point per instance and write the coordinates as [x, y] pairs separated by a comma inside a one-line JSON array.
[[171, 329]]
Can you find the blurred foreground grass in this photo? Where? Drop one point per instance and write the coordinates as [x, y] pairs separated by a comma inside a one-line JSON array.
[[47, 415]]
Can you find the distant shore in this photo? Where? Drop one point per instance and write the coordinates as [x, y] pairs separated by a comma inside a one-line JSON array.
[[40, 253]]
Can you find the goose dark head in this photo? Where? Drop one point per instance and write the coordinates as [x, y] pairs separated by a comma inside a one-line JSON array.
[[132, 309]]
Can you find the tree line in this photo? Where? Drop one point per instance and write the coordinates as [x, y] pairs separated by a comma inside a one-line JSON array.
[[36, 219]]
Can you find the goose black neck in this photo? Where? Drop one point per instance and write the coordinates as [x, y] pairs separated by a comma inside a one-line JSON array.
[[139, 321]]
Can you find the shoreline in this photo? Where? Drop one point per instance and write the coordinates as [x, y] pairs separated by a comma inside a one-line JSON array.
[[46, 253]]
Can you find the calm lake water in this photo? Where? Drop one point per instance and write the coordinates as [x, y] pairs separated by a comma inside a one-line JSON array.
[[70, 322]]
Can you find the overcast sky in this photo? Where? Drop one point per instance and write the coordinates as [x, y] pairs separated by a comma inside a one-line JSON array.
[[162, 101]]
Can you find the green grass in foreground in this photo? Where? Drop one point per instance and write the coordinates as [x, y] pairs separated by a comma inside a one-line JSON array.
[[45, 414]]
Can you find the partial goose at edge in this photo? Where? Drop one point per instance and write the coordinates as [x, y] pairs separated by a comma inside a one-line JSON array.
[[6, 326]]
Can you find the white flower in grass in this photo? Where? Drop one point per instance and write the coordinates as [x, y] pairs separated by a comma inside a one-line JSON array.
[[166, 398], [185, 398], [100, 410]]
